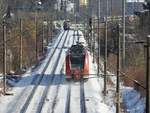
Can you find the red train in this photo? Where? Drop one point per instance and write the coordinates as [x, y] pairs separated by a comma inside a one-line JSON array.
[[77, 62]]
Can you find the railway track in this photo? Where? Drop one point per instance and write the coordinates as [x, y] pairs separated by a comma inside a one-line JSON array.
[[57, 90], [38, 79], [52, 80], [82, 97], [49, 92], [68, 99], [68, 94], [23, 110], [67, 108]]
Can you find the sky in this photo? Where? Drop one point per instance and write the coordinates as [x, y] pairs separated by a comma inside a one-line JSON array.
[[135, 0]]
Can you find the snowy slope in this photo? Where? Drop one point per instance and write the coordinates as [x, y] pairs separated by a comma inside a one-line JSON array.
[[133, 100]]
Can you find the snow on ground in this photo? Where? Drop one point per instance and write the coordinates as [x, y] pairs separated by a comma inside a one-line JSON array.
[[133, 100], [95, 102], [93, 93], [57, 95], [8, 101]]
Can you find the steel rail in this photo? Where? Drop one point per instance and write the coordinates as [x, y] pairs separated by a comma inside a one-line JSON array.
[[55, 97], [24, 108], [67, 107], [57, 89], [51, 81], [39, 79], [82, 97]]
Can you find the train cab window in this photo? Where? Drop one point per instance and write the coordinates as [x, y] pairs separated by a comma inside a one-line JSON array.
[[77, 62], [77, 57]]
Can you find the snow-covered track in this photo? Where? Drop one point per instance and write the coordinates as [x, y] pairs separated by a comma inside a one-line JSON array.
[[55, 97], [51, 81], [67, 108], [43, 99], [24, 108], [54, 94], [82, 97], [36, 81]]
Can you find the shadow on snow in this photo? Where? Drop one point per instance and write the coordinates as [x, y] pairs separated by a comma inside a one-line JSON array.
[[47, 79]]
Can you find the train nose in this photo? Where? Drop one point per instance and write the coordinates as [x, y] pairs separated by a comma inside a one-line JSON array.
[[76, 74]]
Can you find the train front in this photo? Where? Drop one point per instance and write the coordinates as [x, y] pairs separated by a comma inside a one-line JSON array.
[[77, 62]]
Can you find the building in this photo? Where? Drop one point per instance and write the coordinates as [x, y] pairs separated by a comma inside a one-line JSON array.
[[83, 2]]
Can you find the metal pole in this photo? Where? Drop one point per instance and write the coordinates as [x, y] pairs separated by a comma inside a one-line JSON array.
[[78, 35], [65, 10], [43, 37], [105, 59], [20, 43], [90, 8], [118, 74], [123, 33], [90, 24], [77, 6], [51, 30], [111, 8], [90, 34], [77, 11], [47, 33], [94, 39], [98, 18], [4, 57], [74, 9], [57, 11], [105, 54], [36, 38], [147, 76]]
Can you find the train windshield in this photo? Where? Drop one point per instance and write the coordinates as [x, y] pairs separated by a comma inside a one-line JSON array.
[[77, 62], [77, 56]]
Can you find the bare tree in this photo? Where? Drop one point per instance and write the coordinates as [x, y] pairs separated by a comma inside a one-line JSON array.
[[2, 5]]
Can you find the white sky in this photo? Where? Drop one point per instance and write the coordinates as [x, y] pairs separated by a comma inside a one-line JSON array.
[[135, 0]]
